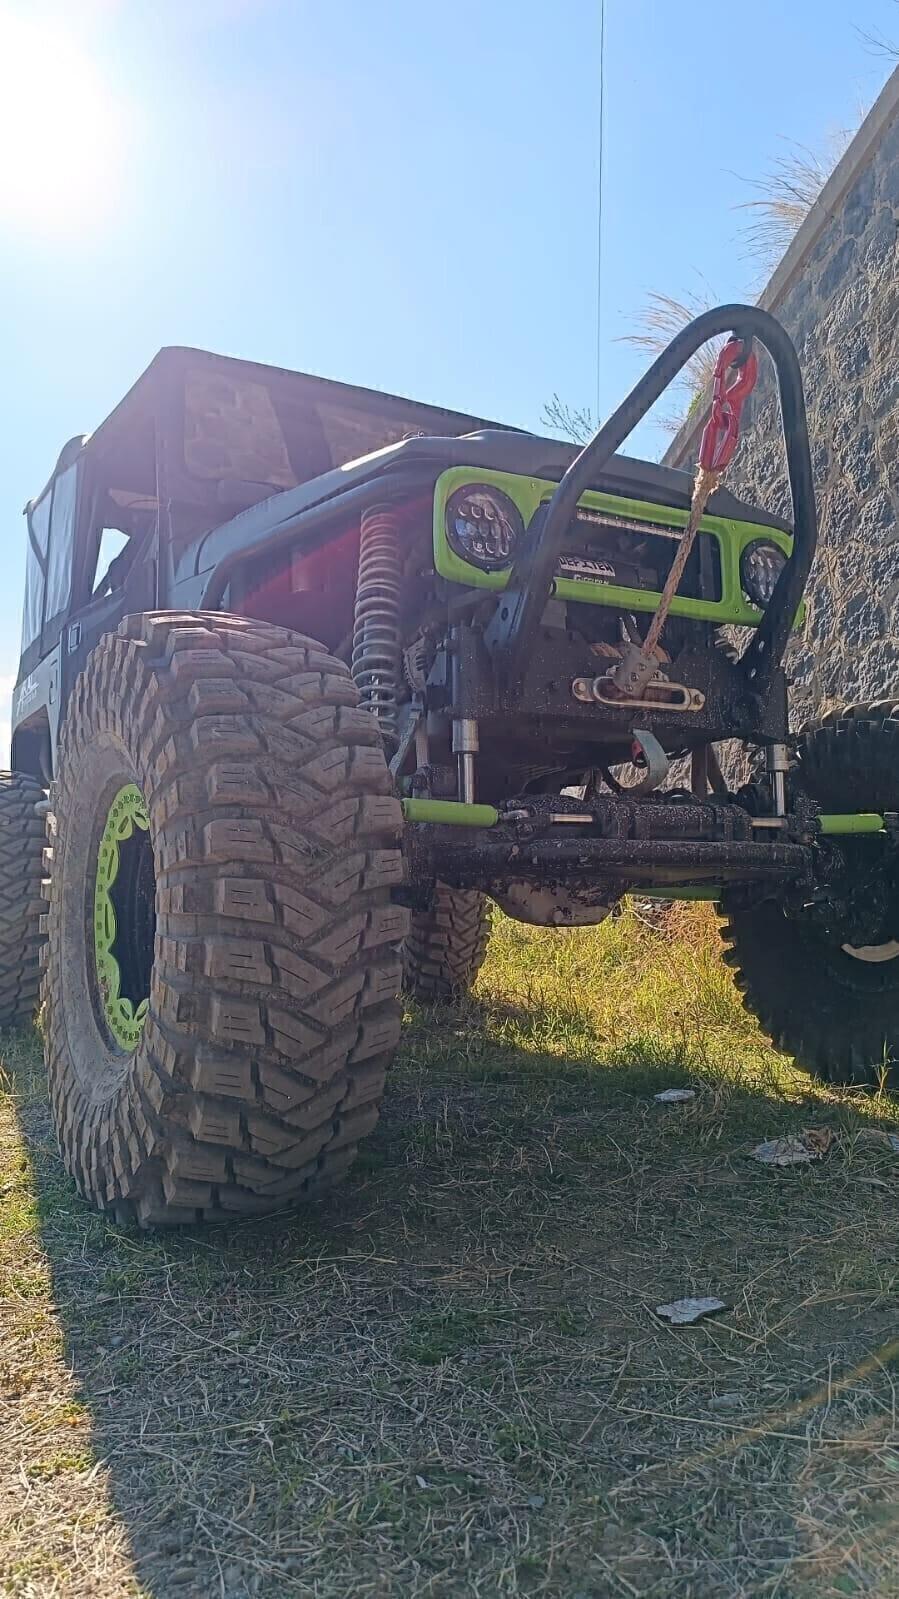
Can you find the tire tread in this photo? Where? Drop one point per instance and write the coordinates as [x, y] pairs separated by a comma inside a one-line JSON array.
[[24, 860], [275, 999], [837, 1017], [447, 944]]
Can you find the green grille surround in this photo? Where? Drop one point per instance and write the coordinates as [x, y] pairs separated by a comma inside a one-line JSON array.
[[529, 494], [124, 1020]]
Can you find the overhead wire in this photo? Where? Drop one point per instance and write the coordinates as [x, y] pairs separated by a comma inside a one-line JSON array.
[[599, 201]]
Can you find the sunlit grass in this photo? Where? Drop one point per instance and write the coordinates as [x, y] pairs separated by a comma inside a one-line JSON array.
[[627, 989], [451, 1378]]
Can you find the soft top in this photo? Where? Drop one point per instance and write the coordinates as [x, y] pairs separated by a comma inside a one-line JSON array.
[[268, 429], [226, 416]]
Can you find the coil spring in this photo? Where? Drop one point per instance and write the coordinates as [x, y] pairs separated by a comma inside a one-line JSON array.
[[376, 660]]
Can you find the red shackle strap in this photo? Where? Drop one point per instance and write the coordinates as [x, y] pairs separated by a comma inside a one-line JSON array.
[[720, 434]]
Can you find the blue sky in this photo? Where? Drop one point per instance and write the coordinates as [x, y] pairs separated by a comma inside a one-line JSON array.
[[401, 195]]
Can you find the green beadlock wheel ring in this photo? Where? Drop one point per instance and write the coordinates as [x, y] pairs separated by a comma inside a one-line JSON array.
[[124, 1020]]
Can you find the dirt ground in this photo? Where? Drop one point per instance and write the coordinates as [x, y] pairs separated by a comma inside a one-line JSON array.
[[450, 1379]]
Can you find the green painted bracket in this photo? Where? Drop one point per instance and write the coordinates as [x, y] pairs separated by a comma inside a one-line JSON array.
[[863, 822], [450, 813]]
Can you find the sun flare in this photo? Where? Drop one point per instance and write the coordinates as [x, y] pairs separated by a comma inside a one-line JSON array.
[[60, 131]]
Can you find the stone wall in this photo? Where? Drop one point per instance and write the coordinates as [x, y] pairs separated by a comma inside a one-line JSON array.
[[837, 293]]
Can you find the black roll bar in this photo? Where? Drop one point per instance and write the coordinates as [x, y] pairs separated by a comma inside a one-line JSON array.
[[510, 634]]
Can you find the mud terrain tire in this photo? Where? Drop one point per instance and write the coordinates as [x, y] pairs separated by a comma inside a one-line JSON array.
[[274, 973], [22, 896], [837, 1014], [447, 944]]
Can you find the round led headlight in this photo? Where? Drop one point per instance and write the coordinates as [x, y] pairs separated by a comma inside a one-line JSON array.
[[761, 564], [483, 526]]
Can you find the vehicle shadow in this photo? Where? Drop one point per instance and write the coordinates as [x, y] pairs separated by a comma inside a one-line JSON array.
[[449, 1377]]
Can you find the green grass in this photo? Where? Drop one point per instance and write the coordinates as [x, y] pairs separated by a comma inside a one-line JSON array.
[[449, 1379]]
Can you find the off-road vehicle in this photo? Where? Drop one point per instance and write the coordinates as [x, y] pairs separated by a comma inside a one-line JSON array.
[[357, 668]]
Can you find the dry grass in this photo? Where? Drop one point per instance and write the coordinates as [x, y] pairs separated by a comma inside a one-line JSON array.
[[786, 194], [660, 320], [450, 1380], [575, 424], [656, 324]]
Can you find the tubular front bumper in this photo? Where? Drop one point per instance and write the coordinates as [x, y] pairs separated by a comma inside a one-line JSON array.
[[617, 845]]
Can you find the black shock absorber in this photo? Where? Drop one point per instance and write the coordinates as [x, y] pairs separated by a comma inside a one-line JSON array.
[[376, 662]]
